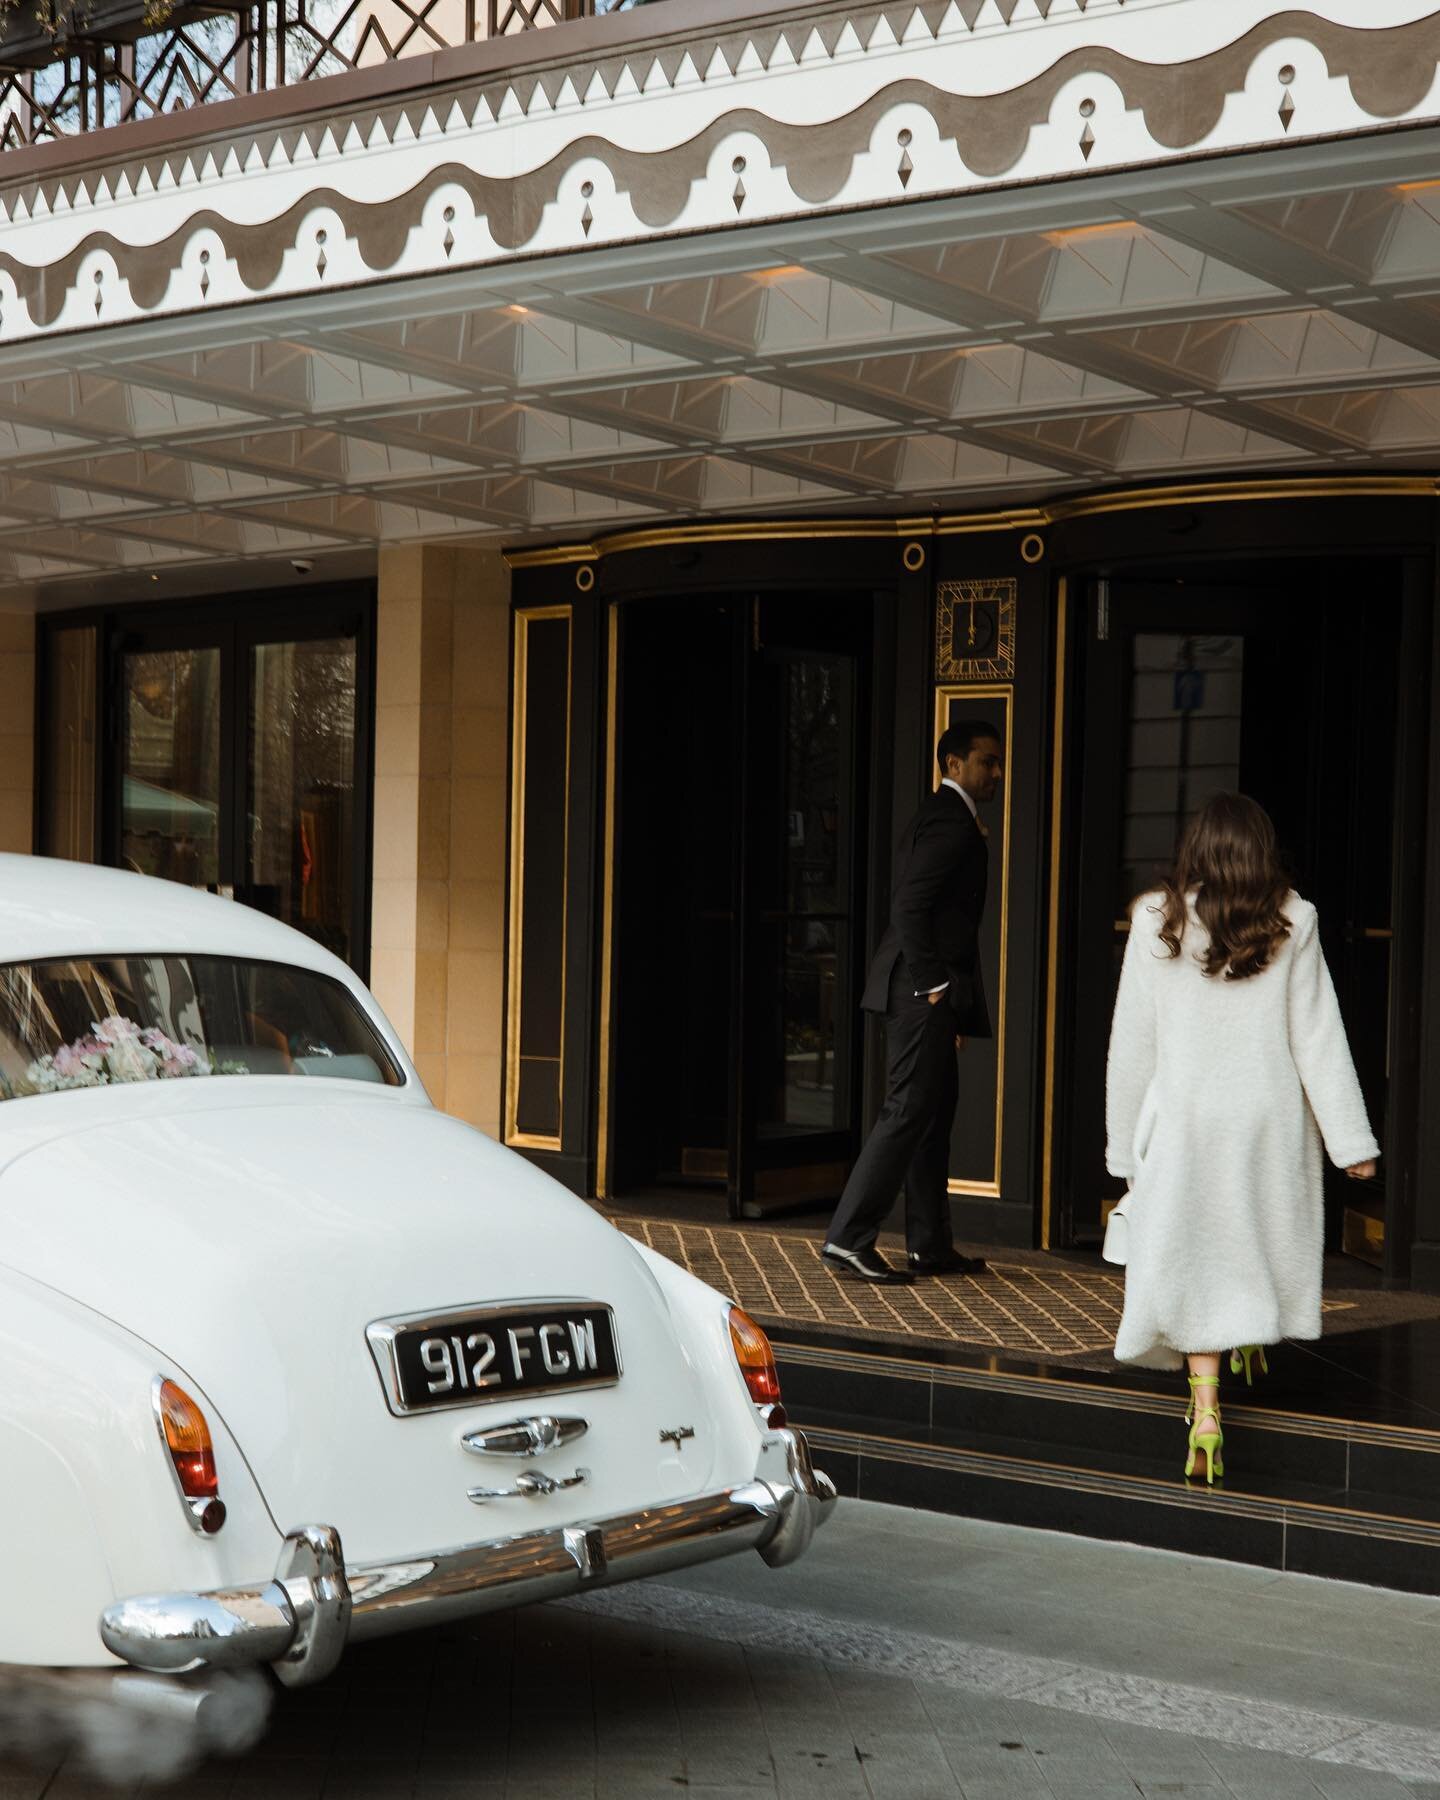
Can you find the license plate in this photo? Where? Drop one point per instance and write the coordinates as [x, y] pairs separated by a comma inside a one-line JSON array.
[[488, 1353]]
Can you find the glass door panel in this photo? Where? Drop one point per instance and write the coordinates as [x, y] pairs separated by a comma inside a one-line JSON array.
[[241, 746], [300, 771], [71, 724], [796, 1010], [170, 778], [804, 938], [1190, 690], [1183, 745]]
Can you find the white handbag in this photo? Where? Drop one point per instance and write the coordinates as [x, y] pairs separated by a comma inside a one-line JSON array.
[[1116, 1247]]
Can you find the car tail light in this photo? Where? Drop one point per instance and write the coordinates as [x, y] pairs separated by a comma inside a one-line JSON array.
[[192, 1455], [756, 1360]]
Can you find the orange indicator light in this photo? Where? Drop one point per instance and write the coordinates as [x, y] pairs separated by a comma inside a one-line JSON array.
[[188, 1439], [755, 1357]]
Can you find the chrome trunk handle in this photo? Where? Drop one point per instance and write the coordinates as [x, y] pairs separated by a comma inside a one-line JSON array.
[[529, 1484], [525, 1437]]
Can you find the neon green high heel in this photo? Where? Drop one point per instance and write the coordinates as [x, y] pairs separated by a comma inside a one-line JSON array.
[[1208, 1442], [1240, 1357]]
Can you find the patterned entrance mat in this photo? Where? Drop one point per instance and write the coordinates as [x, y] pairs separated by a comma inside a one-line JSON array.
[[1052, 1310], [1027, 1302]]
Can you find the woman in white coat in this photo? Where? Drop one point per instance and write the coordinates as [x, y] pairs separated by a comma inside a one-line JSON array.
[[1228, 1066]]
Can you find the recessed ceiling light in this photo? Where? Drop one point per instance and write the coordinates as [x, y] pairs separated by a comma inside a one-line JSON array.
[[1070, 233]]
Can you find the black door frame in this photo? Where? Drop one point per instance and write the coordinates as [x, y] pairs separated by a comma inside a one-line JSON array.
[[124, 639], [234, 623], [872, 776], [747, 1163], [1402, 1148]]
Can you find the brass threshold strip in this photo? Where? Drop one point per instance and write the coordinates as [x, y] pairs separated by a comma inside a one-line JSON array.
[[1028, 518], [1123, 1399], [1038, 1473]]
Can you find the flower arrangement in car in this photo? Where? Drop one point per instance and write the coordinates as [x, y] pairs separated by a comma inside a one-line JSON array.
[[115, 1049]]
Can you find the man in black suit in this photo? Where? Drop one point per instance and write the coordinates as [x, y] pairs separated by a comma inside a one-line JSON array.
[[927, 981]]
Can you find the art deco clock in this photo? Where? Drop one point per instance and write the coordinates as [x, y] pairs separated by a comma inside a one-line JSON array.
[[975, 630]]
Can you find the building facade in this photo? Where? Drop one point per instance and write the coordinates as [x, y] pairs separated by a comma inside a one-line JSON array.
[[523, 513]]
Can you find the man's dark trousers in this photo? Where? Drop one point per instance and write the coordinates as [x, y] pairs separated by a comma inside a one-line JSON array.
[[910, 1141]]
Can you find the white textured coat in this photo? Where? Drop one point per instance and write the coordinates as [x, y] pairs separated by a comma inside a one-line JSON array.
[[1218, 1095]]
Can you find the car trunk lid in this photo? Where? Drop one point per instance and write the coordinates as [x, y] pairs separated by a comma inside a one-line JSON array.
[[256, 1247]]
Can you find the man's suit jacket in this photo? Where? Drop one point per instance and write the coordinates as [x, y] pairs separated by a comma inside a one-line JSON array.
[[936, 904]]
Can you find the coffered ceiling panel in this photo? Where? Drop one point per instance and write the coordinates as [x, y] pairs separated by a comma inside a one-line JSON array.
[[1208, 319]]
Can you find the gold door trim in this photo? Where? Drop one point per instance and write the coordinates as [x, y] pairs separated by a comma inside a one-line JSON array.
[[1052, 957], [607, 907], [1230, 493], [967, 690], [771, 530], [1029, 518], [530, 1140]]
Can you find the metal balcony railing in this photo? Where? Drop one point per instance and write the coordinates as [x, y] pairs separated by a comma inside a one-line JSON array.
[[71, 66]]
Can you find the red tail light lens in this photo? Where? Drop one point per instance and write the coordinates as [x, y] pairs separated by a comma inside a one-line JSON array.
[[755, 1357]]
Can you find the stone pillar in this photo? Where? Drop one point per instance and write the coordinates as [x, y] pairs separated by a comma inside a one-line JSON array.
[[441, 735], [17, 731]]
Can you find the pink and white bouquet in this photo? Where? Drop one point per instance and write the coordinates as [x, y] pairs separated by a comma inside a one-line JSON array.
[[116, 1049]]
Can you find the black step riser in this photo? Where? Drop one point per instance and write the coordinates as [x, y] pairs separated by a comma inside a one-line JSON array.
[[1190, 1521], [1066, 1426]]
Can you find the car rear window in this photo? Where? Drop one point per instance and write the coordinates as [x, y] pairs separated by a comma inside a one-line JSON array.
[[94, 1021]]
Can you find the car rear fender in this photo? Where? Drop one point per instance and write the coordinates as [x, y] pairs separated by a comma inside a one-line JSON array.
[[701, 1317], [89, 1505]]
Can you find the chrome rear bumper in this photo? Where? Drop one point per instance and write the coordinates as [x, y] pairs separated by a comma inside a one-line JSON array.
[[301, 1621]]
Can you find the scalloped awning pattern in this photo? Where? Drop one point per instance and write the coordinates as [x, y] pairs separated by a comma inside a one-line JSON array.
[[848, 270]]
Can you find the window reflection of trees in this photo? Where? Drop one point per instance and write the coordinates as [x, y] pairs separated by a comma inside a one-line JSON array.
[[171, 796]]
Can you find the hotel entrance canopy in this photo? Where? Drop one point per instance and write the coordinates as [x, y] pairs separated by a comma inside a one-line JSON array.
[[713, 258]]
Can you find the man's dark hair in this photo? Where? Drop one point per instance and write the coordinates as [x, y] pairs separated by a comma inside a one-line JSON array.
[[961, 738]]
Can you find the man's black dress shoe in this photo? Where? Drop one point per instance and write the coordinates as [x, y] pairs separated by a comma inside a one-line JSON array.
[[951, 1263], [863, 1265]]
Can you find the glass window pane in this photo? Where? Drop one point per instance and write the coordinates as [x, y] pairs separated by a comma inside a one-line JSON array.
[[67, 827], [800, 953], [99, 1022], [817, 707], [811, 1094], [1184, 745], [170, 775], [302, 787]]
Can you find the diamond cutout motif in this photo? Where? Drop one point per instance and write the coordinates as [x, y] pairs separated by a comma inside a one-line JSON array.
[[1087, 142], [907, 168], [1287, 111]]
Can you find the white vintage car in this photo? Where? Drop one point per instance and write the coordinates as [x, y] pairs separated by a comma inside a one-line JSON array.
[[291, 1358]]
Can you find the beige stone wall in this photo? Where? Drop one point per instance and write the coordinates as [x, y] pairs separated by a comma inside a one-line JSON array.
[[441, 736], [17, 731]]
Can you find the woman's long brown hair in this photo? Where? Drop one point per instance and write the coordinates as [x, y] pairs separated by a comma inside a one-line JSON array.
[[1229, 859]]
